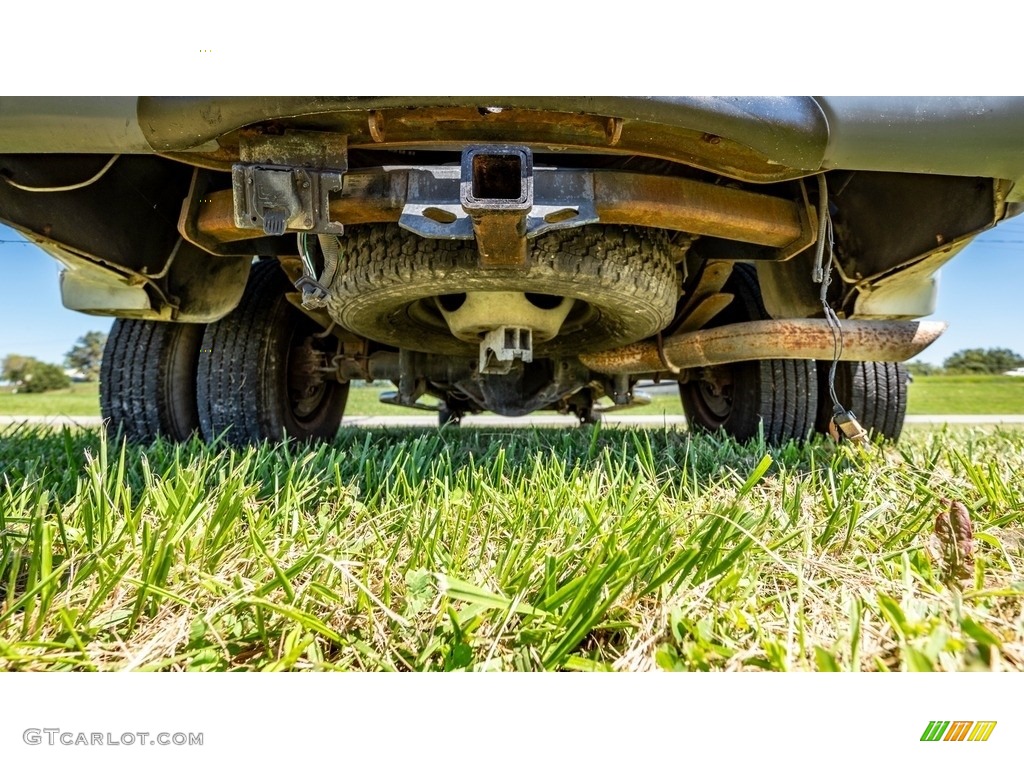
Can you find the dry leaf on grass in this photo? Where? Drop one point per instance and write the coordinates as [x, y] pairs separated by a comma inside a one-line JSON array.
[[953, 542]]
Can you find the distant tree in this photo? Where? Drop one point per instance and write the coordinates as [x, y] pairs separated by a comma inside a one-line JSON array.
[[967, 361], [983, 361], [918, 368], [14, 367], [43, 377], [1002, 360], [87, 355]]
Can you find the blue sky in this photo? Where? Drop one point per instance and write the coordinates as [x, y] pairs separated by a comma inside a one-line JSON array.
[[981, 295]]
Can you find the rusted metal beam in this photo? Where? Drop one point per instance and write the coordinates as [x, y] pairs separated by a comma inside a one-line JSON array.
[[705, 311], [695, 207], [216, 219], [377, 196], [877, 340], [369, 197]]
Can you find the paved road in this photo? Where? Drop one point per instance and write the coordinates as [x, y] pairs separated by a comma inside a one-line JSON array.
[[416, 420]]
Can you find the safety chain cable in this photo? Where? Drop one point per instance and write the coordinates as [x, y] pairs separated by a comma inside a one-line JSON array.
[[315, 289], [843, 419]]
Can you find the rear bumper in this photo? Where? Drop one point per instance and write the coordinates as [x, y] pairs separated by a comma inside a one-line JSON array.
[[963, 136]]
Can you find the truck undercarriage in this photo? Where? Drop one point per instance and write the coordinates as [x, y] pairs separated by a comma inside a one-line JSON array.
[[504, 254]]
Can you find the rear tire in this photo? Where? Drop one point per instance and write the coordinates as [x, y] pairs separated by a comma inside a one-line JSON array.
[[780, 394], [875, 392], [251, 383], [148, 380]]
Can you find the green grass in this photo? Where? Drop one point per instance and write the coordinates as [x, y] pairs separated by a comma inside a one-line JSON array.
[[584, 549], [928, 394], [966, 394], [80, 400], [83, 399]]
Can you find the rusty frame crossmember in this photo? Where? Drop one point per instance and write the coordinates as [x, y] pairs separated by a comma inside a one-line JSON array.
[[380, 195], [872, 340]]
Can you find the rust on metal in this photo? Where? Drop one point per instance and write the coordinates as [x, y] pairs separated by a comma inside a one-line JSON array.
[[376, 125], [501, 239], [805, 339], [368, 198], [307, 149], [222, 236], [378, 196], [216, 219], [710, 281], [496, 190], [450, 128], [696, 207], [705, 310], [614, 130]]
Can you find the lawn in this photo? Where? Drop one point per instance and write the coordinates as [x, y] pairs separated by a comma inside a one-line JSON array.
[[79, 400], [967, 394], [83, 400], [928, 394], [521, 549]]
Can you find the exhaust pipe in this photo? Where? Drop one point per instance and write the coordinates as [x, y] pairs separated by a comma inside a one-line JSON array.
[[496, 190], [870, 340]]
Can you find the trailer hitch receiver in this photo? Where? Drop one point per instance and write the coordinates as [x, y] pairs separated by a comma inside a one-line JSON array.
[[496, 190]]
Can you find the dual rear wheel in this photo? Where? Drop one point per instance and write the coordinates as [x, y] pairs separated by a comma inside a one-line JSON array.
[[254, 375], [251, 376], [147, 379], [788, 399]]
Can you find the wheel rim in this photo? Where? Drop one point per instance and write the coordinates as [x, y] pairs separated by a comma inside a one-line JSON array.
[[261, 375], [308, 390], [712, 396]]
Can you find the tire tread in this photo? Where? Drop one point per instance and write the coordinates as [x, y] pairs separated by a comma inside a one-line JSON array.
[[147, 382], [785, 390]]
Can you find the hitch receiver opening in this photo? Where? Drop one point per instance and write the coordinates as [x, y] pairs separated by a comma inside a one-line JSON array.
[[496, 190]]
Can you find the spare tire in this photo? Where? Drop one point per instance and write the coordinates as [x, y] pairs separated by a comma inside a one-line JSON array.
[[624, 280]]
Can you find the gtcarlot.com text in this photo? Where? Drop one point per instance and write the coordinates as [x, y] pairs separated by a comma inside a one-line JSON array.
[[57, 737]]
